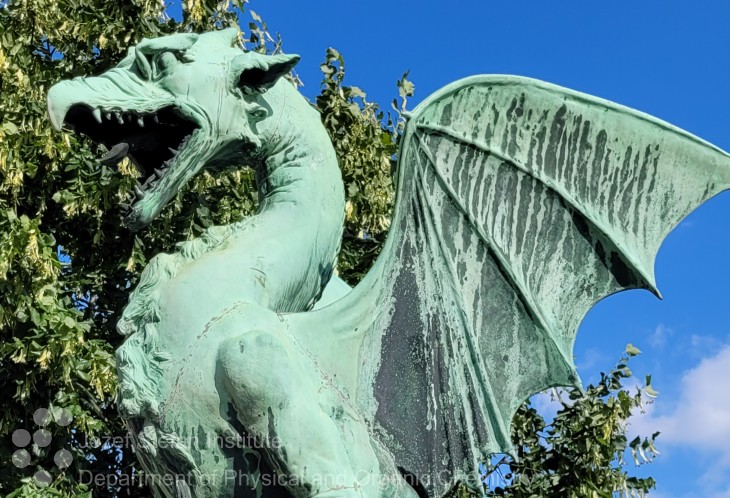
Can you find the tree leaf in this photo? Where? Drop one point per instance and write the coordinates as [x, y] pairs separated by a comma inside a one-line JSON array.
[[632, 350]]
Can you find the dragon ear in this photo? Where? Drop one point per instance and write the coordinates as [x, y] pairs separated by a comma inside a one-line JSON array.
[[256, 73], [228, 36]]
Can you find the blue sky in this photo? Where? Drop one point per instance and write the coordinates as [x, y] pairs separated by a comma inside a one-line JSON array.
[[668, 59]]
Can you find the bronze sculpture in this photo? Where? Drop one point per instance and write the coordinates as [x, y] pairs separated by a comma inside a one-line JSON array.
[[520, 204]]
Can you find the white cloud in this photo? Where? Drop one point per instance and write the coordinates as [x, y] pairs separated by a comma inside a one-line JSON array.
[[701, 418], [721, 494], [704, 345], [699, 422], [658, 338]]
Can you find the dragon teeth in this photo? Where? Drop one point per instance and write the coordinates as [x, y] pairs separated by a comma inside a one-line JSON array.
[[119, 118], [155, 118], [149, 180], [97, 115], [140, 122]]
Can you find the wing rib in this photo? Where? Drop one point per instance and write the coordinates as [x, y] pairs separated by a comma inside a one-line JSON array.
[[496, 417], [646, 279], [528, 302]]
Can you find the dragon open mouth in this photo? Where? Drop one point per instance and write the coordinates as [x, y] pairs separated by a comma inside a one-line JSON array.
[[172, 112], [151, 140]]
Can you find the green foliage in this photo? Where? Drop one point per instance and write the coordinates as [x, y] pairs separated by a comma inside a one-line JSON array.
[[366, 144], [67, 264], [582, 451]]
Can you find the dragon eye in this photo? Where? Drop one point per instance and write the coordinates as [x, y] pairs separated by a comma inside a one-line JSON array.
[[168, 59]]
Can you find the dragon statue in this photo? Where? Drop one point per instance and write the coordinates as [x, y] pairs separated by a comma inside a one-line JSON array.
[[250, 369]]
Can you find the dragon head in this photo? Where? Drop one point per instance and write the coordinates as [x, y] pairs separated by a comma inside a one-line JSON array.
[[174, 105]]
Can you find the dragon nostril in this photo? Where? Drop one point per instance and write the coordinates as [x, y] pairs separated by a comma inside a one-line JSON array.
[[258, 112]]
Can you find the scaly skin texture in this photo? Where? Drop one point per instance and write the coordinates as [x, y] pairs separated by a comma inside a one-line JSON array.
[[216, 391]]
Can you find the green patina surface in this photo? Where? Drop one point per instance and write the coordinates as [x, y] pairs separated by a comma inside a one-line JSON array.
[[520, 205]]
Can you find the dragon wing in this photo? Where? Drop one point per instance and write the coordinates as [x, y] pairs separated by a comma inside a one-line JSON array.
[[520, 205]]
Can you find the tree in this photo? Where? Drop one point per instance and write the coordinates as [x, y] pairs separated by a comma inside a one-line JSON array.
[[582, 451], [66, 263]]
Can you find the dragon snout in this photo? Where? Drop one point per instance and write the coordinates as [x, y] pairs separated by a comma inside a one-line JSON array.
[[61, 97]]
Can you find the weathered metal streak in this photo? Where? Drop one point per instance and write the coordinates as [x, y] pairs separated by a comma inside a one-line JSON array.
[[521, 204], [625, 224]]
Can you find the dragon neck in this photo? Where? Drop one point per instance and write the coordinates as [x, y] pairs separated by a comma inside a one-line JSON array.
[[302, 197], [293, 240]]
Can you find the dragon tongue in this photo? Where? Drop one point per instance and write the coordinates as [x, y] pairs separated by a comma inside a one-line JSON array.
[[115, 154]]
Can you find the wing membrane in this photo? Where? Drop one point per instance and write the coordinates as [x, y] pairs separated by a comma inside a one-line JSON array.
[[520, 205]]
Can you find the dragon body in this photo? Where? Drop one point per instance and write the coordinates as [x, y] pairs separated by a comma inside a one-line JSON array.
[[250, 370]]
